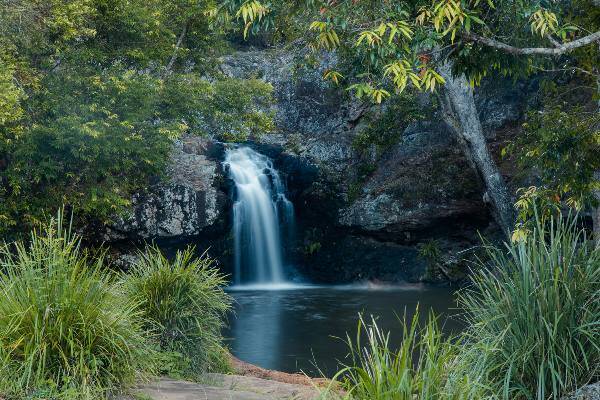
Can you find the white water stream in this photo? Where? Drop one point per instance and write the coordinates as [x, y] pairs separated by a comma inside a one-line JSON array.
[[260, 213]]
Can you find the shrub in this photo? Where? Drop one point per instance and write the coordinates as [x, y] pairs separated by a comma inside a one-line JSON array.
[[65, 326], [431, 253], [535, 317], [419, 369], [184, 302]]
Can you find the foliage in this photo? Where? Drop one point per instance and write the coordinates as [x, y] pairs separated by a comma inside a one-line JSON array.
[[563, 146], [65, 327], [431, 252], [533, 316], [558, 146], [93, 92], [387, 125], [96, 145], [225, 108], [394, 45], [419, 369], [254, 17], [312, 248], [184, 302], [397, 41]]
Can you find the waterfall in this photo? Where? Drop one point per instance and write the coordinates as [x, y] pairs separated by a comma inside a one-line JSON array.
[[260, 211]]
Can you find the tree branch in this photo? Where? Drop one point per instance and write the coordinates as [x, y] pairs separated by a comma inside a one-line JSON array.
[[570, 69], [554, 42], [561, 49], [177, 46]]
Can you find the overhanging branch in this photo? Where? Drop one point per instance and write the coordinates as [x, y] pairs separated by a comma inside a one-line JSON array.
[[554, 51]]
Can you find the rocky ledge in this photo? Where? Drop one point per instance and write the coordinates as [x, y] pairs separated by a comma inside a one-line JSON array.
[[248, 383]]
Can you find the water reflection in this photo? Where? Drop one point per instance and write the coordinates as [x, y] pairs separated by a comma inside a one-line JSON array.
[[256, 327], [291, 330]]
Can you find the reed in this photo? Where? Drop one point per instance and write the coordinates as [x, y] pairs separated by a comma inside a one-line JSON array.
[[419, 368], [183, 301], [534, 314], [65, 326]]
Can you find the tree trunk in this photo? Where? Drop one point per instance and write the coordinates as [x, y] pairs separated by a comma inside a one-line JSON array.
[[459, 111], [596, 212], [177, 46]]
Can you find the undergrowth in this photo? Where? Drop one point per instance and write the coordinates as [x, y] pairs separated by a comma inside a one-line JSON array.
[[66, 329], [533, 330], [183, 301]]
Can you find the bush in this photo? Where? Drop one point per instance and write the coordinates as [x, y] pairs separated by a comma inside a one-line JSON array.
[[184, 302], [419, 369], [535, 317], [65, 326]]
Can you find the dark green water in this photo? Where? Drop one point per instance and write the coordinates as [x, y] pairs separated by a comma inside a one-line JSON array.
[[294, 330]]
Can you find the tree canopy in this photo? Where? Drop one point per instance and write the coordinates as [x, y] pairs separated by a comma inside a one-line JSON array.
[[93, 93], [386, 47]]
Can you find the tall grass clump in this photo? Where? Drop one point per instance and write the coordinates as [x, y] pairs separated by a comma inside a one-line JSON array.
[[534, 316], [420, 368], [183, 301], [65, 327]]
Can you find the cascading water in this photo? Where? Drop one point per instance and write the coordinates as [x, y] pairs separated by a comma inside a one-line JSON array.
[[260, 212]]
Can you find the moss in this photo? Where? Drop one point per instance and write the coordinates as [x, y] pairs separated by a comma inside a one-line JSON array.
[[312, 248], [387, 124], [364, 170], [431, 252]]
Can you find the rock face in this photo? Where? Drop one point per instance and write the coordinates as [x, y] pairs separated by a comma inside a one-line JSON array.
[[350, 258], [421, 182], [369, 183], [185, 204], [369, 204]]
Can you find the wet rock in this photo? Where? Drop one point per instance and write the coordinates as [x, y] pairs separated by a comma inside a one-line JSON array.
[[352, 258]]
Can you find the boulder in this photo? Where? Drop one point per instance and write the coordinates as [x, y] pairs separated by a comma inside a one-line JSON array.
[[588, 392], [419, 183], [184, 204]]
